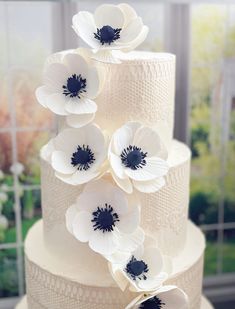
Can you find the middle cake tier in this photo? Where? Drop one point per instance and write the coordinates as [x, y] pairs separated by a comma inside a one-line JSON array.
[[163, 214]]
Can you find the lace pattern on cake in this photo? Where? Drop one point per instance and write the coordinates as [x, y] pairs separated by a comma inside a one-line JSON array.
[[46, 290]]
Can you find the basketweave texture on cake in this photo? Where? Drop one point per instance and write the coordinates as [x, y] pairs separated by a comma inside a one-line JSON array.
[[138, 90], [47, 290], [163, 214]]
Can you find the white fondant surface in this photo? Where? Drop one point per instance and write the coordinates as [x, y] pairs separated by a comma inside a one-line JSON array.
[[205, 304], [89, 268]]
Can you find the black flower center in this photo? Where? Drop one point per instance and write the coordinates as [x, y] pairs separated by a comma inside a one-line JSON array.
[[136, 269], [133, 157], [104, 218], [82, 158], [152, 303], [107, 35], [75, 86]]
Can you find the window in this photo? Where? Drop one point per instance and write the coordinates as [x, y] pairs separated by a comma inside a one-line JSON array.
[[205, 95]]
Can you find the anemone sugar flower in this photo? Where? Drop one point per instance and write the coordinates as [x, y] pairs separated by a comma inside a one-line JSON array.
[[144, 270], [77, 155], [111, 27], [71, 84], [104, 216], [138, 158], [166, 297]]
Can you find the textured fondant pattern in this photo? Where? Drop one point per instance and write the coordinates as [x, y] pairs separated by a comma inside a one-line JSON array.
[[164, 214], [47, 290], [138, 90]]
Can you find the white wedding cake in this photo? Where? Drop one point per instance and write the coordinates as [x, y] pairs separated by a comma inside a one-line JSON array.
[[115, 232]]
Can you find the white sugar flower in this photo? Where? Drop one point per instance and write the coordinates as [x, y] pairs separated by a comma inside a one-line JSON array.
[[144, 270], [110, 27], [17, 168], [104, 216], [166, 297], [71, 83], [138, 158], [77, 155]]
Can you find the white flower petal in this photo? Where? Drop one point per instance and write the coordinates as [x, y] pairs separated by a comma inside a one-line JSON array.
[[56, 76], [148, 140], [93, 83], [156, 166], [62, 163], [133, 304], [120, 278], [41, 94], [82, 226], [68, 140], [131, 31], [70, 216], [84, 26], [150, 186], [103, 243], [125, 183], [153, 258], [173, 297], [46, 151], [139, 40], [81, 177], [80, 106], [131, 242], [109, 15], [140, 174], [78, 121], [151, 284], [122, 138], [104, 54], [117, 166], [129, 222], [95, 139], [56, 103], [118, 257], [128, 11], [76, 64]]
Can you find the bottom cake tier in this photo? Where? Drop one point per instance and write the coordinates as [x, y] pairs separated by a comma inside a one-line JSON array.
[[51, 284], [205, 304]]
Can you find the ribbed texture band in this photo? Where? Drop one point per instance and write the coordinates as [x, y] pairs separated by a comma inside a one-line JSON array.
[[47, 290]]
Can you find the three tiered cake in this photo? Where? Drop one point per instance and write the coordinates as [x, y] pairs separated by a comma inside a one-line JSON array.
[[115, 185]]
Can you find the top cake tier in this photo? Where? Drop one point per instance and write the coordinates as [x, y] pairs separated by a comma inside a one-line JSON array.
[[140, 88]]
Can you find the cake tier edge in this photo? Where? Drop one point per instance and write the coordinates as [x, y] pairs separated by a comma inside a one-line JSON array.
[[54, 282]]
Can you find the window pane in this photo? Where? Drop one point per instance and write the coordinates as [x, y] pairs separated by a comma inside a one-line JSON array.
[[229, 251], [28, 145], [8, 273], [31, 209], [211, 253]]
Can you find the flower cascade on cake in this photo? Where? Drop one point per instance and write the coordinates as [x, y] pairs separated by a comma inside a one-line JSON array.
[[71, 83], [111, 27], [107, 213]]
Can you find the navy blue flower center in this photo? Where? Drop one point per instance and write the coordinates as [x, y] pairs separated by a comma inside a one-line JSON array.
[[133, 157], [152, 303], [104, 218], [75, 86], [82, 158], [136, 269], [107, 34]]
